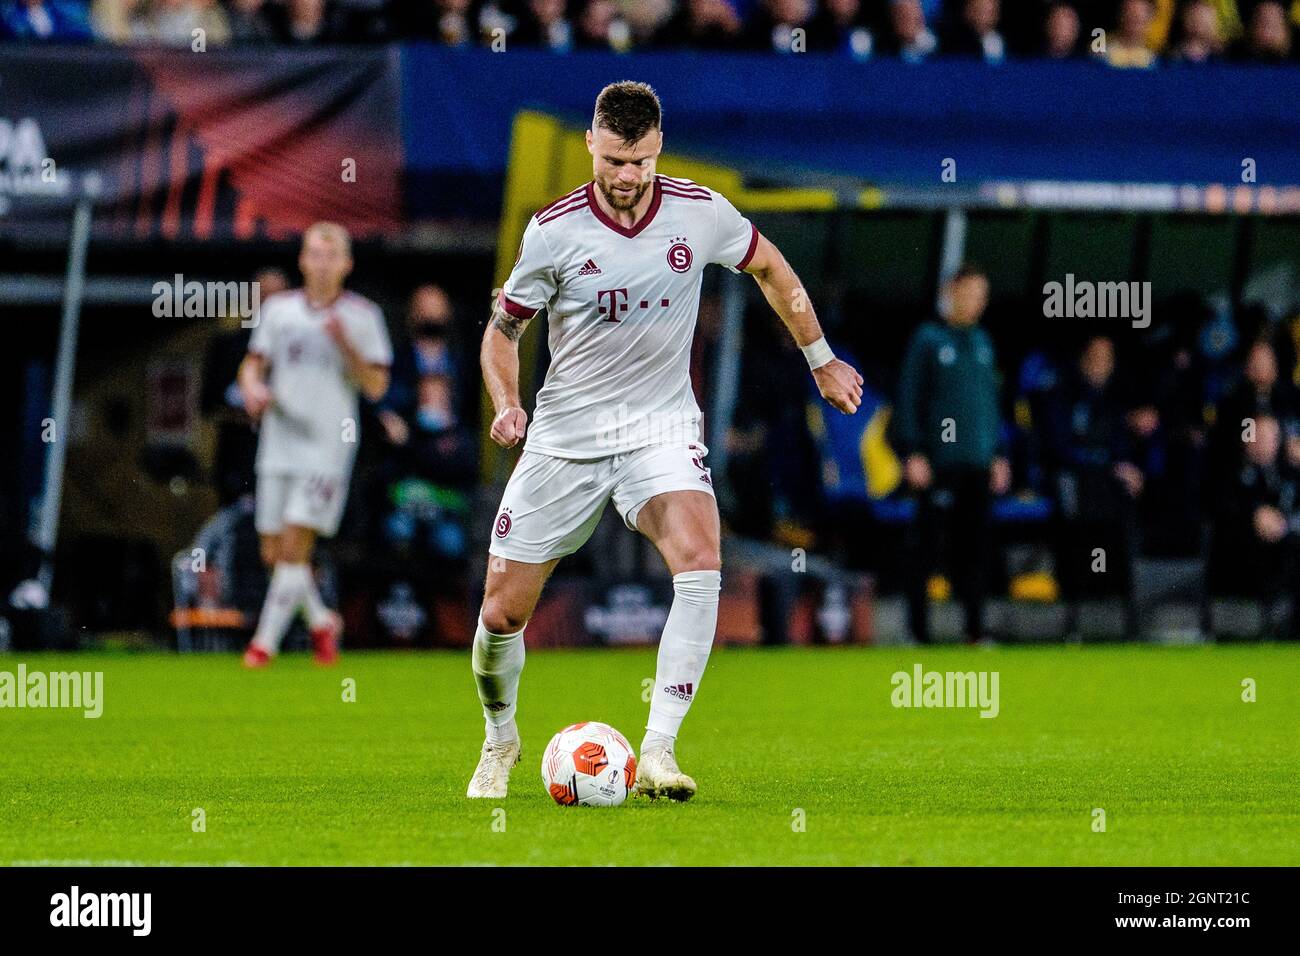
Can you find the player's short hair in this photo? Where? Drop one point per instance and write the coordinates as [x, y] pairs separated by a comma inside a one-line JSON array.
[[331, 231], [628, 109]]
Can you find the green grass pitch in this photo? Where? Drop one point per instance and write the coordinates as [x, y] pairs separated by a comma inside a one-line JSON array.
[[286, 772]]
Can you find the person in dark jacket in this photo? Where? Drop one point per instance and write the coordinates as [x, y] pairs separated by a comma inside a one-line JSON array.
[[1090, 454], [1256, 528], [974, 32], [946, 428], [701, 25], [424, 411], [1260, 391]]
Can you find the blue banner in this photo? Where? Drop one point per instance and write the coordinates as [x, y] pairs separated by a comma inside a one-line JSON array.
[[882, 122]]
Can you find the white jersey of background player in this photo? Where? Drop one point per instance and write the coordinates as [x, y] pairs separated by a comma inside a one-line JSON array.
[[616, 265], [312, 350]]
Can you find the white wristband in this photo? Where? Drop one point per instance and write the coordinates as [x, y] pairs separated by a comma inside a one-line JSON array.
[[818, 353]]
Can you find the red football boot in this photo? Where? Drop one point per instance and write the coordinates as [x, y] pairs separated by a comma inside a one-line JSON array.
[[325, 639], [255, 657]]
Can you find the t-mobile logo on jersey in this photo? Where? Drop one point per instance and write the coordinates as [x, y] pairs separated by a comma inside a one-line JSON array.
[[611, 302]]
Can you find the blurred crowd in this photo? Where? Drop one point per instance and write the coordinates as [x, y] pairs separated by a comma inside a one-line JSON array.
[[1095, 443], [1122, 33]]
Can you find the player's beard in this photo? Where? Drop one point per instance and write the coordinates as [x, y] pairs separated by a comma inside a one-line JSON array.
[[623, 201]]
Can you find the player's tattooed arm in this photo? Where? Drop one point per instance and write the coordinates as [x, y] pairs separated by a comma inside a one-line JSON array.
[[511, 326], [499, 359]]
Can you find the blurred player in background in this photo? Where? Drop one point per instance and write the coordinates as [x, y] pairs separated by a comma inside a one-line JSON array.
[[617, 263], [312, 350]]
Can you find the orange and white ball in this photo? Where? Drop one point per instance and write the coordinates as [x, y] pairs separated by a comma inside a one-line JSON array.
[[589, 764]]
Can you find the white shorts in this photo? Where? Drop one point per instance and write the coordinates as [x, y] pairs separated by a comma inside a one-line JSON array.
[[308, 501], [552, 505]]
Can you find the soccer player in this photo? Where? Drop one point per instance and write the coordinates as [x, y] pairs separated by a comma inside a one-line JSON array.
[[617, 265], [312, 350]]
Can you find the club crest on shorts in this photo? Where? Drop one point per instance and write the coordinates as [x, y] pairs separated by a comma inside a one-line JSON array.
[[680, 256], [503, 523]]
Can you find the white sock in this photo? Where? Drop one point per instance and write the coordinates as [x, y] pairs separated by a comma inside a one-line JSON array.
[[683, 651], [312, 605], [283, 598], [498, 662], [653, 740], [502, 733]]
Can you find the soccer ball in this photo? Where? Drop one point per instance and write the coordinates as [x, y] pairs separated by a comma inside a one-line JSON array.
[[589, 764]]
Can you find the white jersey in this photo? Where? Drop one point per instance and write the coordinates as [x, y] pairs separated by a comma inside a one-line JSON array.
[[621, 308], [311, 426]]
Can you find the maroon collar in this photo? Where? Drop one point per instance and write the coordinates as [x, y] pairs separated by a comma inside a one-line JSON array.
[[655, 199]]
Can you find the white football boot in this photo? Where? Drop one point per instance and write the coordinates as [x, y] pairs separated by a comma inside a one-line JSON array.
[[492, 775], [657, 775]]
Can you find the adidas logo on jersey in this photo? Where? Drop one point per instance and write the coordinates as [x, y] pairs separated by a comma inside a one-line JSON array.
[[589, 268], [680, 691]]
